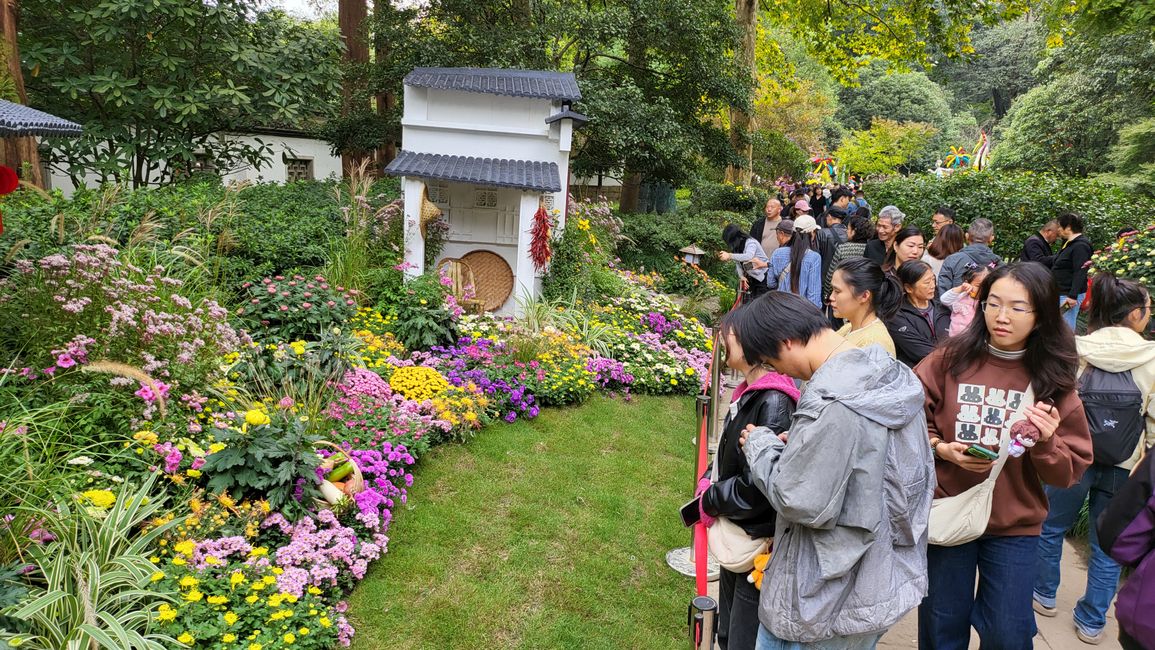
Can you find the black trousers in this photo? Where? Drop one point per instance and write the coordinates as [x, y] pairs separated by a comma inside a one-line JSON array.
[[737, 612]]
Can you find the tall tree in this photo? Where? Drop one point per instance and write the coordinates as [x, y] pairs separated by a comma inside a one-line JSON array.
[[746, 14], [161, 85], [351, 15], [21, 154]]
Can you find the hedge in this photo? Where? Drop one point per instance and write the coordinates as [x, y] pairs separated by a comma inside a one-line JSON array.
[[1018, 203]]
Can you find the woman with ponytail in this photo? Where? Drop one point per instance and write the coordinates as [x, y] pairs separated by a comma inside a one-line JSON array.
[[1120, 311], [863, 295], [796, 266]]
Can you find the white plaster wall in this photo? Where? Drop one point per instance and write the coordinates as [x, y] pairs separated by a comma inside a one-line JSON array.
[[325, 165]]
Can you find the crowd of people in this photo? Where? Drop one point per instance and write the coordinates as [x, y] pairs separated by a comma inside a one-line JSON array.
[[919, 426]]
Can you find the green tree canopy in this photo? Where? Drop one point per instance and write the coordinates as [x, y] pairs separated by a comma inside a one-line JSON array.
[[885, 147], [1001, 68], [156, 84]]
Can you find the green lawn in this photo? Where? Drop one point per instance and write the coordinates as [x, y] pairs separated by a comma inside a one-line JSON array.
[[543, 534]]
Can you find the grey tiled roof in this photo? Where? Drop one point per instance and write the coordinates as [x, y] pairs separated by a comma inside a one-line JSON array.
[[521, 174], [496, 81], [19, 120], [577, 118]]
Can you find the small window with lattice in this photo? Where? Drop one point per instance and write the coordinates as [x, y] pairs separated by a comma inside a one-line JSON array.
[[298, 169], [485, 198], [548, 201], [439, 194]]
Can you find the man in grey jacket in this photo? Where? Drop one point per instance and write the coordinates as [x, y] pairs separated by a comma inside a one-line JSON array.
[[852, 484], [980, 235]]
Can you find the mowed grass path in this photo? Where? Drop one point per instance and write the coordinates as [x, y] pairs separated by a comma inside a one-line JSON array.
[[543, 534]]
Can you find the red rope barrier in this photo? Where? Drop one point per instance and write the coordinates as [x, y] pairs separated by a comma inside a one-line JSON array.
[[701, 549]]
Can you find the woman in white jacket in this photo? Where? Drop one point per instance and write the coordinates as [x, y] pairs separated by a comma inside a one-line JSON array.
[[1120, 311]]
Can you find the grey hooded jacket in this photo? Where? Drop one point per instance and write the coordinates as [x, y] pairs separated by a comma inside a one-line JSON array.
[[852, 490]]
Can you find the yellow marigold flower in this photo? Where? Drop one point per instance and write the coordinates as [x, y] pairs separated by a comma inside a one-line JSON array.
[[211, 559], [268, 580], [278, 570], [252, 598], [230, 618], [189, 581], [255, 417], [325, 622], [258, 551], [193, 596], [217, 600], [304, 631], [102, 499], [290, 638], [216, 446], [158, 576], [193, 473], [255, 646], [316, 591], [186, 638], [179, 561], [184, 547], [236, 578], [228, 637]]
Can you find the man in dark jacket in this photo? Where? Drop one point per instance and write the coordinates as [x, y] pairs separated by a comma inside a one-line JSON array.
[[980, 235], [1037, 248], [835, 216], [1069, 267], [886, 227]]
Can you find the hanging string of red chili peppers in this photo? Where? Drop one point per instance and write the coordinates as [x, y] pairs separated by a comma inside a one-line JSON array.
[[539, 250]]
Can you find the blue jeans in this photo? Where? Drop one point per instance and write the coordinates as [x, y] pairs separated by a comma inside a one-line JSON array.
[[1001, 609], [1071, 315], [767, 641], [1100, 482]]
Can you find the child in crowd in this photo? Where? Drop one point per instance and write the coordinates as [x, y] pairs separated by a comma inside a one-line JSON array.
[[963, 299]]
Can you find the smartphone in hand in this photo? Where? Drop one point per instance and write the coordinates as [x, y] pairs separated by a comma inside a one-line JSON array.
[[691, 513], [982, 452]]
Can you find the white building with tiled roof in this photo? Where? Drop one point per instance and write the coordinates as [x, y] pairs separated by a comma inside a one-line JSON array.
[[488, 147]]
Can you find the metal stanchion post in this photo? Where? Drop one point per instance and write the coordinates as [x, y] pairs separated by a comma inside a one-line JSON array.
[[702, 619]]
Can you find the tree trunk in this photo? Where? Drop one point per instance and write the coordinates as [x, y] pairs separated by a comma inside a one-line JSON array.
[[21, 154], [351, 16], [746, 12], [386, 99], [631, 192]]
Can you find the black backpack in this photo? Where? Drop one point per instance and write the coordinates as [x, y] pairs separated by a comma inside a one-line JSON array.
[[1114, 407]]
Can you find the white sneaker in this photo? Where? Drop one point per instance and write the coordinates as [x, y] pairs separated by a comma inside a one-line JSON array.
[[1043, 610], [1094, 639]]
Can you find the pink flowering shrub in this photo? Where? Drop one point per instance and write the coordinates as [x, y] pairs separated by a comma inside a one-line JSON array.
[[296, 308], [367, 414], [321, 552], [69, 309]]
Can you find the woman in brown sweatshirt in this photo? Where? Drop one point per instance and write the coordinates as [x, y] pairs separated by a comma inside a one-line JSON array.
[[973, 384]]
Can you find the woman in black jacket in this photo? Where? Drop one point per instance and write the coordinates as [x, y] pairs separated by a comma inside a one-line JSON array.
[[765, 398], [921, 321], [1069, 267]]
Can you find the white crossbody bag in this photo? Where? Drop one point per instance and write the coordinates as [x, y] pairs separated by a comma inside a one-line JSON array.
[[729, 543], [964, 517]]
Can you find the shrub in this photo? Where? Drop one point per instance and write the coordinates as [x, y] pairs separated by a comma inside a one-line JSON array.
[[584, 254], [743, 199], [421, 317], [651, 241], [292, 308], [1018, 203], [267, 454], [1131, 257]]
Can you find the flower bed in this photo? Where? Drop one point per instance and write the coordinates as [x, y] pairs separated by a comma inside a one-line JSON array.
[[280, 452]]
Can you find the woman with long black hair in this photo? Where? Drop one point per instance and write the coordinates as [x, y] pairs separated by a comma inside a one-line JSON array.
[[796, 266], [744, 250], [864, 296], [921, 321], [1113, 358], [1016, 361], [909, 245]]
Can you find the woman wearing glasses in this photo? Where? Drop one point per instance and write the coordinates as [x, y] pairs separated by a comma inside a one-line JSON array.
[[921, 321], [975, 385], [1120, 311]]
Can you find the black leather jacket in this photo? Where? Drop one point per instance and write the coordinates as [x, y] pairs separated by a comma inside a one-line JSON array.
[[735, 496]]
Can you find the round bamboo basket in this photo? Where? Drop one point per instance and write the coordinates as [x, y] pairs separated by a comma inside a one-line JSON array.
[[493, 278]]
